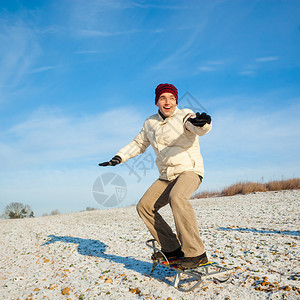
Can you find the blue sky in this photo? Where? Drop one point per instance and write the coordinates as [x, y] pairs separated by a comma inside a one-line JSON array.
[[77, 80]]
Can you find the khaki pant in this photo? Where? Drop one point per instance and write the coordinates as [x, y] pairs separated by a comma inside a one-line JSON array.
[[177, 193]]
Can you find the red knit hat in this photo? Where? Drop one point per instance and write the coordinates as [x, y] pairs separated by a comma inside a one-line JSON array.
[[166, 88]]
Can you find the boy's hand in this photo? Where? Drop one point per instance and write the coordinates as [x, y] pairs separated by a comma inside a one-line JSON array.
[[114, 161], [200, 120]]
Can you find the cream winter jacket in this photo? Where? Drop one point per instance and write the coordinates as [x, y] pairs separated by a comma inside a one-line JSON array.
[[175, 142]]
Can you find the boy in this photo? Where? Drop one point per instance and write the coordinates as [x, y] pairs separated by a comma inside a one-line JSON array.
[[173, 135]]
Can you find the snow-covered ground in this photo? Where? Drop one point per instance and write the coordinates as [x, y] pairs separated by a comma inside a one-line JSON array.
[[102, 254]]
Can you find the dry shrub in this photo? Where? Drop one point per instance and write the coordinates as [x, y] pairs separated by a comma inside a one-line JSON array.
[[232, 189], [206, 194], [279, 185], [252, 187], [244, 188]]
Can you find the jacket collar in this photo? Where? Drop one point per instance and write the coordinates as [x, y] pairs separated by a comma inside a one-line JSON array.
[[161, 115]]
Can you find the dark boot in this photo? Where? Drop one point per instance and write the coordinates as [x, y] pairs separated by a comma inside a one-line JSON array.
[[193, 262], [170, 255]]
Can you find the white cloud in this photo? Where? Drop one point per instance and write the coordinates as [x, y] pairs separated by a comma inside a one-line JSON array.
[[206, 69], [161, 6], [215, 62], [97, 33], [19, 50], [43, 69], [250, 144], [243, 145], [255, 66], [248, 72], [179, 53], [66, 190], [255, 131], [88, 52], [89, 33], [49, 160], [267, 59], [48, 136], [211, 66]]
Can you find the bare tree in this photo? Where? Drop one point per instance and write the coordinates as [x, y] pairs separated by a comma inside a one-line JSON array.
[[90, 208], [55, 212], [17, 210]]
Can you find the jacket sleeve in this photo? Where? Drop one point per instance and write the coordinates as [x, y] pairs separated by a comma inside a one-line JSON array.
[[196, 129], [139, 144]]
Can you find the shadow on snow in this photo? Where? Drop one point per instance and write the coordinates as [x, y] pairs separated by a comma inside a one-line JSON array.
[[95, 248], [293, 233]]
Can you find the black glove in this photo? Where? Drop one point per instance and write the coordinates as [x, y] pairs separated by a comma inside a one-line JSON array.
[[114, 161], [200, 120]]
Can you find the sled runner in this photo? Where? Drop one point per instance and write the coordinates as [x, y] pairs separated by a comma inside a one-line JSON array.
[[208, 270]]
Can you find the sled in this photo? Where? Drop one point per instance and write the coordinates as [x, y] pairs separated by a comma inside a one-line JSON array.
[[209, 270]]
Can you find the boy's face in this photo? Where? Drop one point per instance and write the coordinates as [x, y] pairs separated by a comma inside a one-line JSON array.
[[166, 104]]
